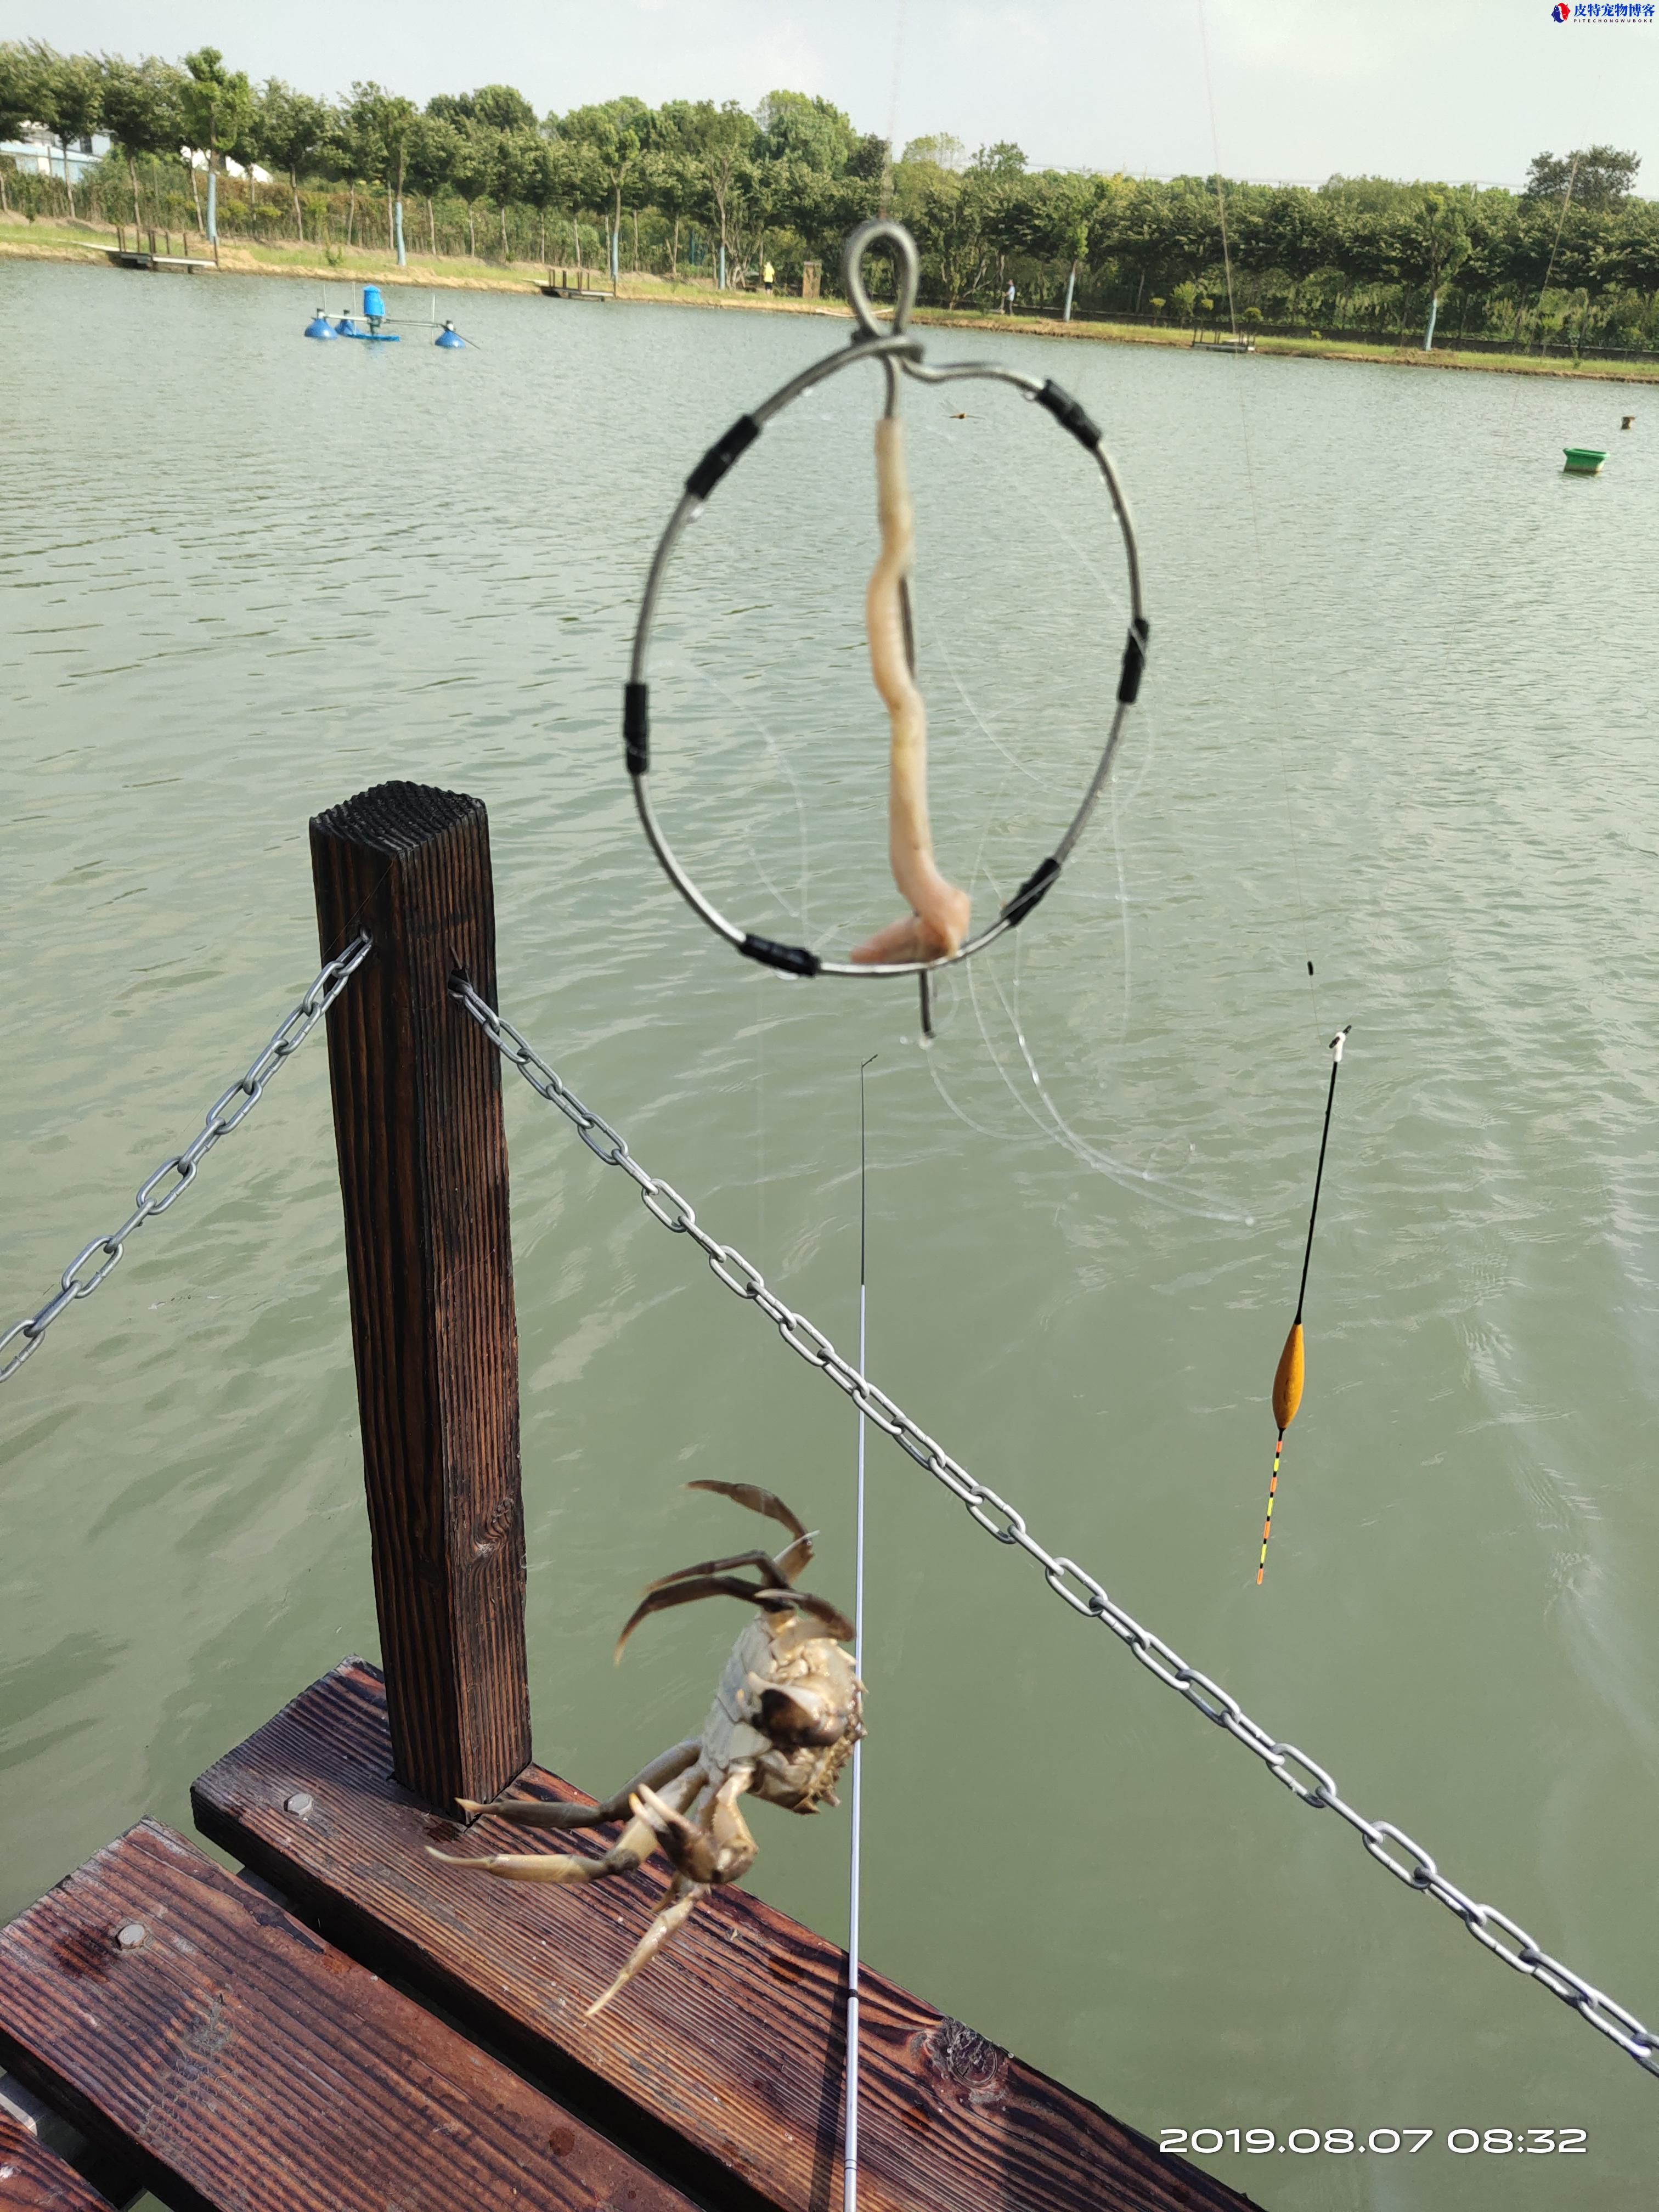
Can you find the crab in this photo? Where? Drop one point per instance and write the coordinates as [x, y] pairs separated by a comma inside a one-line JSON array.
[[787, 1711]]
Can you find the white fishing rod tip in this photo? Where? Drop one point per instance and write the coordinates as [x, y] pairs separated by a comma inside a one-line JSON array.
[[1339, 1041]]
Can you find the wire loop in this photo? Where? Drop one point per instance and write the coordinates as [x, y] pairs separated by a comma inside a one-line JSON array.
[[908, 272], [891, 345]]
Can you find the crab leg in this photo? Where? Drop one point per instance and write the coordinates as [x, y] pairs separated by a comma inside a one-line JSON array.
[[772, 1576], [636, 1842], [938, 921], [537, 1813], [680, 1904]]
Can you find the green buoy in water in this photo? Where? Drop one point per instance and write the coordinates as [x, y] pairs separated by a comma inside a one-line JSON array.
[[1582, 461]]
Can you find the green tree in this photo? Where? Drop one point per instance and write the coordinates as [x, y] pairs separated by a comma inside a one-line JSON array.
[[1005, 158], [1635, 247], [673, 187], [502, 107], [432, 152], [66, 91], [17, 88], [1434, 235], [244, 150], [615, 133], [141, 112], [1598, 177], [870, 160], [470, 174], [944, 215], [513, 165], [940, 150], [16, 100], [1061, 211], [380, 122], [548, 178], [348, 153], [719, 143], [798, 126], [216, 104], [1292, 232], [290, 132]]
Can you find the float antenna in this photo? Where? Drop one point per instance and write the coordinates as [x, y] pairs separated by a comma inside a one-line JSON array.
[[849, 2196], [1288, 1376]]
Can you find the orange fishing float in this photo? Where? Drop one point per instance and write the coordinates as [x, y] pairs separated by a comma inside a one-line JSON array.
[[1288, 1376]]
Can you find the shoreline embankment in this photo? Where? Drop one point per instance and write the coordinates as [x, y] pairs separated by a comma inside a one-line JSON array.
[[427, 273]]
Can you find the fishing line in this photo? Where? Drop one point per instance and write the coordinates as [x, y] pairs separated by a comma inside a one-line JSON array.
[[979, 720], [1140, 1180], [1133, 1179], [850, 2151], [1123, 922], [760, 1108], [1255, 533], [1289, 1373], [892, 113], [1560, 224], [1220, 202], [780, 758]]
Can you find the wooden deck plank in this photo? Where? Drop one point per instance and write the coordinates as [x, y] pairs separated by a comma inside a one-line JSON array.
[[36, 2179], [723, 2061], [248, 2066]]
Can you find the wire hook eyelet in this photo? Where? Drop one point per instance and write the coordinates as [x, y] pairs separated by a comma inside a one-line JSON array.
[[909, 271]]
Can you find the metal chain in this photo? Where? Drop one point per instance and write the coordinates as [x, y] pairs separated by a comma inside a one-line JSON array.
[[330, 981], [1304, 1778]]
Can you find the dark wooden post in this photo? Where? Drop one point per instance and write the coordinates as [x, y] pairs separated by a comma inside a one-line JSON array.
[[417, 1120]]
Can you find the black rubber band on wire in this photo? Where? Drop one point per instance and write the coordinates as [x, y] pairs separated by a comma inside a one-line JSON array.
[[1069, 414], [1134, 661], [721, 455], [1036, 888], [636, 727], [793, 959]]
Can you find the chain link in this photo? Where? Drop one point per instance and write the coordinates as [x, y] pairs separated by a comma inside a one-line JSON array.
[[152, 1199], [1303, 1777]]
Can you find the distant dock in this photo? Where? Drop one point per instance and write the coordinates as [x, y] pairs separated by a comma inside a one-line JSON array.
[[143, 252], [559, 287]]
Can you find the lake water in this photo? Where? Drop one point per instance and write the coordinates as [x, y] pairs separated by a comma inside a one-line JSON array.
[[1397, 720]]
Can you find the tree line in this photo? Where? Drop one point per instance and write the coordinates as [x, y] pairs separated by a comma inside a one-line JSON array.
[[713, 191]]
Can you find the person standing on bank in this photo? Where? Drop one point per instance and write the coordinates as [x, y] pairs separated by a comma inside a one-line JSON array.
[[767, 275]]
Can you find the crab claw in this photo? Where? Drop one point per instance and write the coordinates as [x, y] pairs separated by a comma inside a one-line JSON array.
[[677, 1835]]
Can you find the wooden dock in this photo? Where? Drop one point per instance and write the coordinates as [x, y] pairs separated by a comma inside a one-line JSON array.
[[348, 2025], [144, 254], [559, 287], [144, 260]]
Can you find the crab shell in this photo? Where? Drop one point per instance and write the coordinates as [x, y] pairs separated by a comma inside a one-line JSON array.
[[774, 1653]]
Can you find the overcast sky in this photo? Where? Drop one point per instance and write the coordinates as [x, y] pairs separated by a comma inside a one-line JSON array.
[[1442, 88]]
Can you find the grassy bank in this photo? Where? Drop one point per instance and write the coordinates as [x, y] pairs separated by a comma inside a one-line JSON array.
[[336, 266]]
